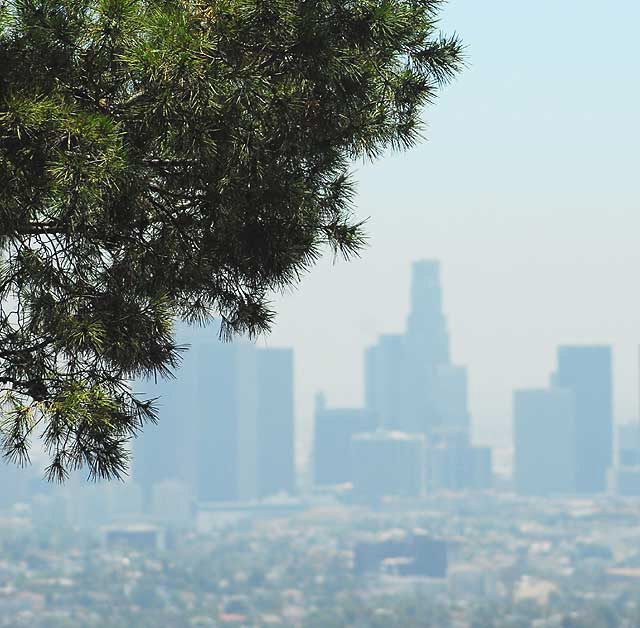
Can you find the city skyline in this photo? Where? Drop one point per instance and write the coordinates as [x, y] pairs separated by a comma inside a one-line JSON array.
[[427, 304], [525, 191], [498, 433]]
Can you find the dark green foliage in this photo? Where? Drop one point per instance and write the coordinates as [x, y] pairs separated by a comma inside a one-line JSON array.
[[178, 159]]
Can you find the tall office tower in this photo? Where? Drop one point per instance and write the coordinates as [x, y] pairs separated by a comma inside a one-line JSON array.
[[387, 464], [276, 469], [451, 396], [386, 384], [586, 371], [544, 434], [226, 421], [625, 477], [227, 445], [333, 429], [426, 324], [427, 344], [196, 439], [481, 468], [409, 382], [629, 444], [165, 451], [411, 386]]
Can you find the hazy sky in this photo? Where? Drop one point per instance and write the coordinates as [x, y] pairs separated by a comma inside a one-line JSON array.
[[527, 191]]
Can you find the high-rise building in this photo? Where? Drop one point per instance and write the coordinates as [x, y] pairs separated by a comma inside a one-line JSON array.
[[226, 421], [544, 434], [333, 430], [625, 477], [226, 451], [276, 470], [410, 383], [586, 372], [481, 477], [427, 346], [452, 468], [426, 324], [629, 444], [388, 464], [412, 386], [387, 384], [451, 396], [166, 450]]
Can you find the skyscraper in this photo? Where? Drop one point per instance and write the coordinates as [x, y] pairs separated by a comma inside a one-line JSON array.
[[427, 344], [412, 386], [629, 444], [387, 384], [333, 430], [626, 476], [276, 472], [227, 444], [586, 372], [544, 435], [451, 403], [401, 385], [226, 421], [410, 383], [426, 324], [165, 451]]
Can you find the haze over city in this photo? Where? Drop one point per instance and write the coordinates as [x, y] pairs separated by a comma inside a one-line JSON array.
[[440, 429]]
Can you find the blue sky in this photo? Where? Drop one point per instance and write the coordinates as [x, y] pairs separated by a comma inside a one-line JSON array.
[[526, 190]]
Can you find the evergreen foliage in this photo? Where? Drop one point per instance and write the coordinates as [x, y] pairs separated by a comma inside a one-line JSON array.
[[177, 159]]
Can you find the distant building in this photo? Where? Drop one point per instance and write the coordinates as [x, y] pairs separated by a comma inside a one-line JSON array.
[[167, 450], [410, 383], [453, 464], [586, 372], [625, 476], [420, 554], [387, 383], [226, 422], [333, 430], [276, 469], [626, 481], [629, 444], [426, 324], [544, 434], [451, 396], [388, 464], [227, 433], [427, 347], [482, 468]]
